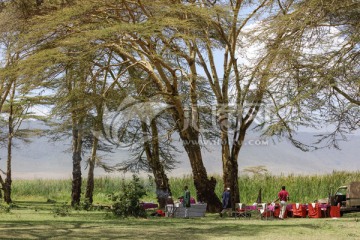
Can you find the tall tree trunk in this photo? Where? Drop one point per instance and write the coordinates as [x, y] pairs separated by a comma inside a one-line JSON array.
[[151, 147], [225, 157], [153, 156], [230, 164], [205, 188], [7, 185], [90, 178], [229, 161], [99, 103], [162, 183], [76, 173], [8, 180], [228, 171], [230, 167]]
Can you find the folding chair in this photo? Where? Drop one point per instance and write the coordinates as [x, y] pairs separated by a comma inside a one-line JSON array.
[[264, 212], [240, 211]]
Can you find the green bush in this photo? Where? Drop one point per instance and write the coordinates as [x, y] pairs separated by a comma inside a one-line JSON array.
[[127, 201]]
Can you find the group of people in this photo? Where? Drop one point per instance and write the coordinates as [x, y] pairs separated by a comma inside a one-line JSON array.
[[283, 197]]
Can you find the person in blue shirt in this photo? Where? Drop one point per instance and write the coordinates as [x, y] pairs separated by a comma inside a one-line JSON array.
[[226, 202]]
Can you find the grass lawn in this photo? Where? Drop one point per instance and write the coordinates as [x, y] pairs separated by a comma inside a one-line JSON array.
[[36, 220]]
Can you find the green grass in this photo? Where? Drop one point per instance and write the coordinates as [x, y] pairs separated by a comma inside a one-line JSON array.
[[35, 220], [302, 188]]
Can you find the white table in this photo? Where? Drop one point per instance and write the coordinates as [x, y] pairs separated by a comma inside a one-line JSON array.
[[177, 210]]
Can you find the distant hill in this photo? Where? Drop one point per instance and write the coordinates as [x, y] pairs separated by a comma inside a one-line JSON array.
[[43, 159]]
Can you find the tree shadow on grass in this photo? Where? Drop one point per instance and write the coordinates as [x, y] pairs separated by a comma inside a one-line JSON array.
[[137, 229], [25, 223]]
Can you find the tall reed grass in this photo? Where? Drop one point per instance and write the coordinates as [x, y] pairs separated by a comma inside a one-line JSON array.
[[302, 188]]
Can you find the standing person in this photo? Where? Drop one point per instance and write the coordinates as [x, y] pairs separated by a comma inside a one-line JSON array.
[[186, 201], [226, 201], [283, 196]]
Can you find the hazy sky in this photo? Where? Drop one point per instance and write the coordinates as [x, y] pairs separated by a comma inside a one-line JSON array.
[[43, 159]]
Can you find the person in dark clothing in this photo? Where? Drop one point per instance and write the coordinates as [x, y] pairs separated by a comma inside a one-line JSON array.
[[226, 202]]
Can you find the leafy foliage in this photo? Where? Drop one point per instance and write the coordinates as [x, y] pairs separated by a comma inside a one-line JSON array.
[[127, 202]]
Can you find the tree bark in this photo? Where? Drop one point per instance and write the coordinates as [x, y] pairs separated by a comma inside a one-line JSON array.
[[76, 173], [90, 178], [230, 165], [205, 188], [8, 180], [233, 171]]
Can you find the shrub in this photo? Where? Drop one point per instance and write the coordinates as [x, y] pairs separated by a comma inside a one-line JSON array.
[[127, 202]]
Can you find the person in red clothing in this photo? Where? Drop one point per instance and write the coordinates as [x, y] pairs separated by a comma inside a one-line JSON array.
[[283, 196]]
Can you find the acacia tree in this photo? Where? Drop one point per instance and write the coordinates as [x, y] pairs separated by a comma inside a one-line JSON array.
[[162, 53], [98, 86], [241, 90], [15, 99], [63, 70], [16, 110], [70, 105]]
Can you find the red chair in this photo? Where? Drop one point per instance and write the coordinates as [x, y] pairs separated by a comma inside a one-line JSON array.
[[335, 211], [298, 210], [314, 210]]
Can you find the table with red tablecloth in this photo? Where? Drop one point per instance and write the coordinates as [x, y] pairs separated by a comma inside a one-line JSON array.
[[301, 210], [316, 210], [149, 205]]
